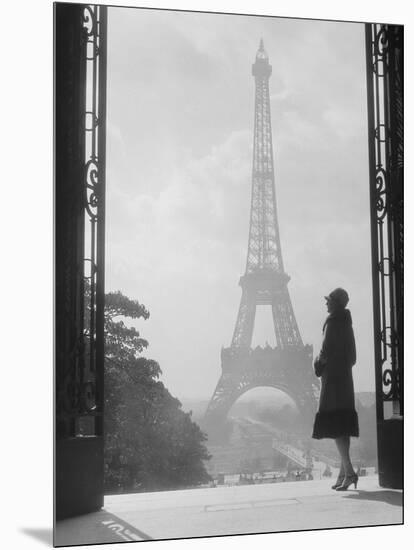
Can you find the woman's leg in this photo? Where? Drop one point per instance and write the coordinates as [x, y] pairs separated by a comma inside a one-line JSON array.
[[340, 478], [343, 443]]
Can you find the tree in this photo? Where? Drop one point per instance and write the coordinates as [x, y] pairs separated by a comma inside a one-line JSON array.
[[151, 443]]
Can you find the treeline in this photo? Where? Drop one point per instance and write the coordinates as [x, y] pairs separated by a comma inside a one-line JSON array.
[[150, 442]]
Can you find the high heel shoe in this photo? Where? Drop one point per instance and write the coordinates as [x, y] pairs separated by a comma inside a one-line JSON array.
[[339, 481], [349, 480]]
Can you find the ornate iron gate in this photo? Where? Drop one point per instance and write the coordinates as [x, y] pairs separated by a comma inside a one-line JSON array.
[[384, 53], [80, 112]]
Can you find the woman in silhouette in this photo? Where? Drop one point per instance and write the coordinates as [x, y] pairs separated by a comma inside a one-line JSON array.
[[336, 417]]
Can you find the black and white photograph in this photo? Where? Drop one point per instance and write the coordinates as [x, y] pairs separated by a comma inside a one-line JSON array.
[[228, 274]]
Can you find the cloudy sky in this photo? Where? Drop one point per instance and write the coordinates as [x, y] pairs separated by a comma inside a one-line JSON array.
[[180, 122]]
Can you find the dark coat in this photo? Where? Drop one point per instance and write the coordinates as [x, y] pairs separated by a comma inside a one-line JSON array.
[[336, 415]]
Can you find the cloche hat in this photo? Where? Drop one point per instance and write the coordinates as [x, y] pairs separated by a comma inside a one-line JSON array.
[[340, 296]]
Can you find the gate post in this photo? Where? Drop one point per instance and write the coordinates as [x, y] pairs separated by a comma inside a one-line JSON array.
[[384, 57], [80, 81]]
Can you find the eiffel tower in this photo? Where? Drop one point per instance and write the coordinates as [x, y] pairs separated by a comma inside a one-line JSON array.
[[288, 366]]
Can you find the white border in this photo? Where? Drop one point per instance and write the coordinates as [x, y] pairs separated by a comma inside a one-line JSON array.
[[27, 277]]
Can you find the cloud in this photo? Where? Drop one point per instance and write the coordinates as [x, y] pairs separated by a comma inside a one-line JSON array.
[[190, 223]]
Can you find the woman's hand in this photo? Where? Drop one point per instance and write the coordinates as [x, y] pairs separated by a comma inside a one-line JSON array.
[[318, 366]]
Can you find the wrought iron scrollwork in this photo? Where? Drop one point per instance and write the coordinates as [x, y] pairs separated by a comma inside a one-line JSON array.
[[79, 399], [381, 41], [92, 189], [385, 115], [90, 20], [94, 48]]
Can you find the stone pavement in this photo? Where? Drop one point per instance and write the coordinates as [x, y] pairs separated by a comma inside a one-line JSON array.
[[266, 508]]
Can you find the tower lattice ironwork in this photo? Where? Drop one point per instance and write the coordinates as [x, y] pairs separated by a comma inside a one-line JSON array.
[[288, 365]]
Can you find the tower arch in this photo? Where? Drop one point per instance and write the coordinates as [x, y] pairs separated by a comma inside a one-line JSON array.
[[272, 400]]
